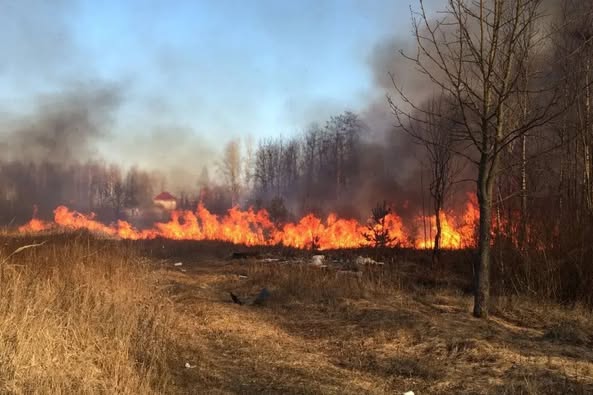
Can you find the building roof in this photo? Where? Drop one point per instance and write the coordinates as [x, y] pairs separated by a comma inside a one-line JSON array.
[[165, 196]]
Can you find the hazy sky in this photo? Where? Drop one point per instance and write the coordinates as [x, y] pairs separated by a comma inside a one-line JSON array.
[[210, 68]]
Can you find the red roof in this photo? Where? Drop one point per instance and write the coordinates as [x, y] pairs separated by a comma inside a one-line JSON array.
[[164, 196]]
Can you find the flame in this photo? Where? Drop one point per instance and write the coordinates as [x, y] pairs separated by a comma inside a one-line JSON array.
[[252, 228], [75, 220], [456, 232], [34, 225]]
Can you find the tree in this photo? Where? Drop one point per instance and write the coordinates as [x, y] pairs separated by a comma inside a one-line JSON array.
[[474, 55], [231, 169], [378, 233], [115, 190], [248, 162], [437, 138]]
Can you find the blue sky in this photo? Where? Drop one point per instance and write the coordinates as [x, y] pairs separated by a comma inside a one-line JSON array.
[[215, 69]]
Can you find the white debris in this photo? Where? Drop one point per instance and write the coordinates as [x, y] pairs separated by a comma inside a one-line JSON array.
[[178, 264], [409, 393], [188, 366], [318, 260], [271, 260], [367, 261], [242, 277]]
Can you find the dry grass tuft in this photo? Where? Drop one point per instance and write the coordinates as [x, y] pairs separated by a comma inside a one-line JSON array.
[[77, 316]]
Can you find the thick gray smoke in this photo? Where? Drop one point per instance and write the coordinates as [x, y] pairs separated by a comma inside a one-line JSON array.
[[56, 109], [64, 128], [401, 155]]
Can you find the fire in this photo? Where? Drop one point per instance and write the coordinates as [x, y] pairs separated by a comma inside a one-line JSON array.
[[35, 225], [456, 233], [252, 228]]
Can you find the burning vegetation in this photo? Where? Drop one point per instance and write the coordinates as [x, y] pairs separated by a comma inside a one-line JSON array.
[[490, 153], [479, 151], [252, 228]]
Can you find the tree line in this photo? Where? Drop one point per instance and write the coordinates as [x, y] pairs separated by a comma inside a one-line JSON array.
[[97, 187]]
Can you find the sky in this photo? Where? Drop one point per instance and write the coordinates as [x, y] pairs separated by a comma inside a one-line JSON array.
[[209, 70]]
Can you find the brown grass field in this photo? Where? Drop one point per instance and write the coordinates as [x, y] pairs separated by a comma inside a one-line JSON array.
[[82, 315]]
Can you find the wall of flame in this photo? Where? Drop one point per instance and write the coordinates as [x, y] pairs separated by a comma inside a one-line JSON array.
[[253, 228]]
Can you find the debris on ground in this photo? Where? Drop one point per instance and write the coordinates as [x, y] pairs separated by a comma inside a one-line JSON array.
[[263, 295], [242, 277], [367, 261], [235, 299], [189, 366], [259, 300], [178, 264], [318, 260]]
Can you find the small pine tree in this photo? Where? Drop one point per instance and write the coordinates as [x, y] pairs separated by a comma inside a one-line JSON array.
[[378, 233]]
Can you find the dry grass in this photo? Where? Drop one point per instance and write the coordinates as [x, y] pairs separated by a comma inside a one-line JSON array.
[[320, 333], [79, 316], [86, 316]]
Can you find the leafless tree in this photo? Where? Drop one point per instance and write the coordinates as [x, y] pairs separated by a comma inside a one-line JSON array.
[[230, 167], [437, 136], [472, 54]]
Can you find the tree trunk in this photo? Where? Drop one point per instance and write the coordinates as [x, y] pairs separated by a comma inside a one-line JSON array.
[[482, 264], [523, 230], [436, 251]]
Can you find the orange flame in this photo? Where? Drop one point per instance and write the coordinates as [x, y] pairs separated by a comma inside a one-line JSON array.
[[252, 228], [456, 232], [34, 225]]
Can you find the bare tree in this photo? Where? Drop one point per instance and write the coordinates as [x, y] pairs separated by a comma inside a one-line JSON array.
[[474, 54], [248, 162], [231, 169], [437, 137]]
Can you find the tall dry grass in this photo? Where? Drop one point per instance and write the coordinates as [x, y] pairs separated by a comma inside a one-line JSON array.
[[79, 315], [310, 284]]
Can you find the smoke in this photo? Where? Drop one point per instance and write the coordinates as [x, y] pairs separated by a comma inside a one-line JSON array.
[[391, 61], [63, 128], [176, 152], [72, 115], [56, 108]]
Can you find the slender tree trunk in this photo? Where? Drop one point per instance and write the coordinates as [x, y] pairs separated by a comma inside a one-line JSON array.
[[588, 186], [423, 204], [482, 265], [523, 230], [436, 251]]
